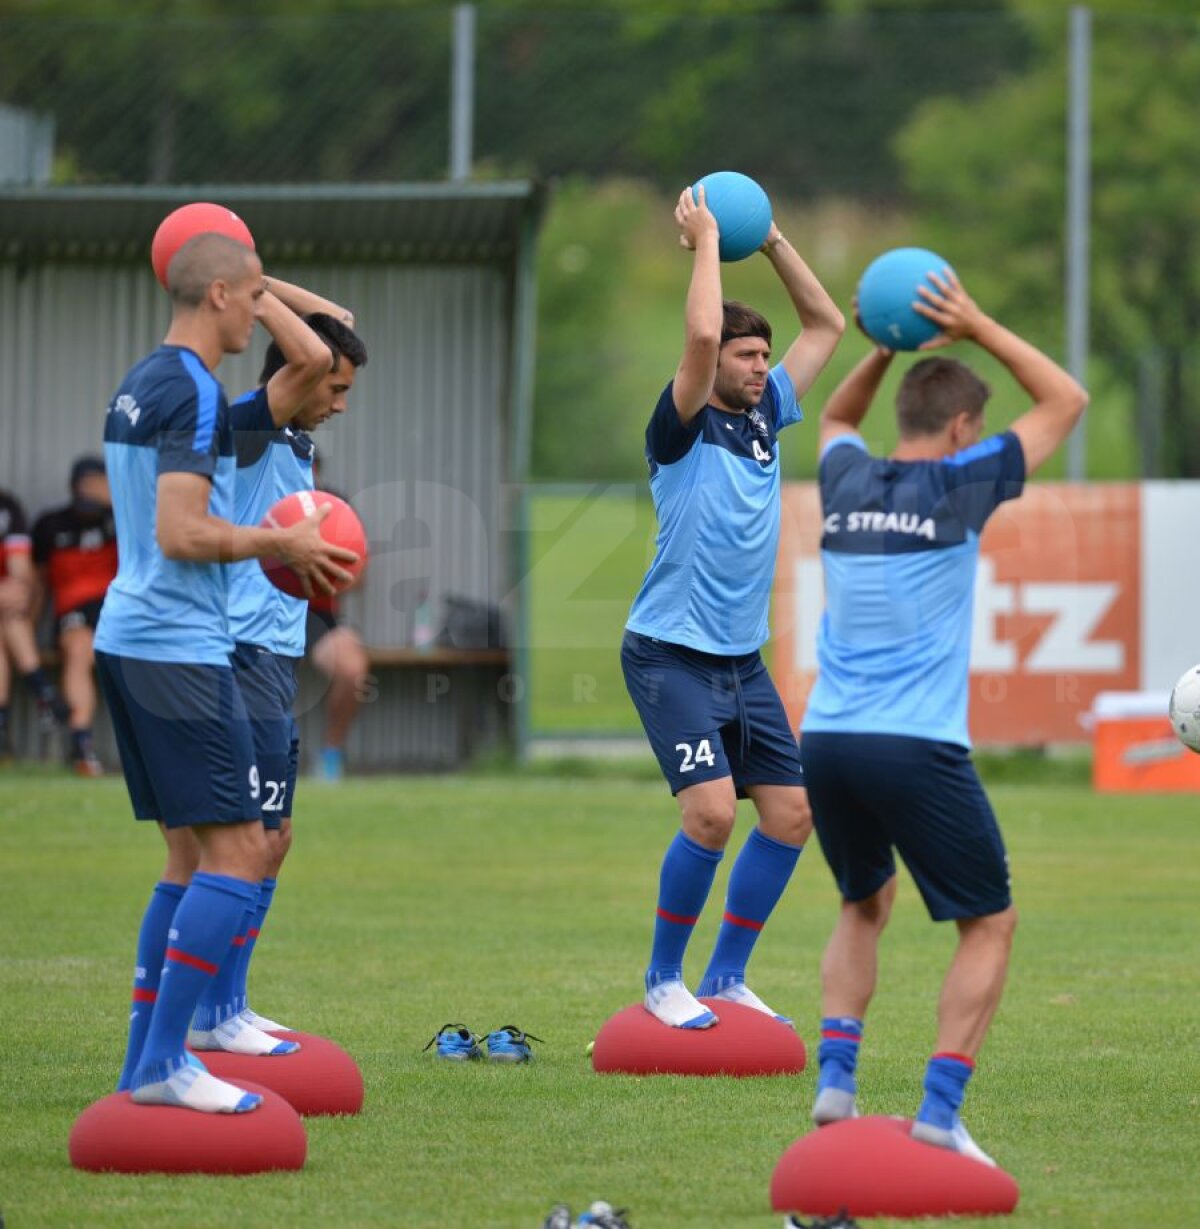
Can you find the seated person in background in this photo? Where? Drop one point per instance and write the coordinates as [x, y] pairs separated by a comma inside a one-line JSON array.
[[17, 640], [75, 552], [335, 649]]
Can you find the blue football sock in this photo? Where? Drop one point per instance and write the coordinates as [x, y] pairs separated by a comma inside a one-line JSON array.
[[220, 998], [687, 875], [946, 1079], [151, 948], [197, 943], [838, 1052], [756, 883], [266, 894]]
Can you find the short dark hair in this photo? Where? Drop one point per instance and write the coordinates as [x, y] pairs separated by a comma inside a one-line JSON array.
[[86, 466], [933, 391], [342, 340], [742, 321], [202, 260]]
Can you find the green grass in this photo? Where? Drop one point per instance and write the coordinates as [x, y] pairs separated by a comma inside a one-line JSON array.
[[504, 899]]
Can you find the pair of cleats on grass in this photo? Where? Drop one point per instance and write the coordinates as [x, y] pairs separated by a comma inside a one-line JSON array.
[[504, 1045], [675, 1005], [837, 1104], [193, 1087]]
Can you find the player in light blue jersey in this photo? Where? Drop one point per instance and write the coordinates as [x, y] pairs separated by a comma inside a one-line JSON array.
[[162, 653], [884, 740], [274, 453], [691, 649]]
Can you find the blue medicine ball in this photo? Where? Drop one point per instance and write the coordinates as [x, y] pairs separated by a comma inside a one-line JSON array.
[[742, 210], [886, 294]]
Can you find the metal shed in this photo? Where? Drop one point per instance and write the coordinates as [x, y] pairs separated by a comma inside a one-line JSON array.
[[441, 280]]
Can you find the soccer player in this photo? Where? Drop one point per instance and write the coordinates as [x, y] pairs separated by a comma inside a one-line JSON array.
[[691, 647], [75, 553], [18, 641], [162, 655], [884, 739], [274, 451]]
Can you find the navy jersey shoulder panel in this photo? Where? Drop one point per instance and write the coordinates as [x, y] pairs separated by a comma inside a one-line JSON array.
[[879, 506], [982, 477], [254, 429], [667, 438]]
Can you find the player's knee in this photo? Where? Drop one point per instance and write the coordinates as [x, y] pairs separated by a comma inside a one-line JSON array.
[[353, 664], [795, 818], [711, 823], [279, 842], [875, 910], [1005, 924]]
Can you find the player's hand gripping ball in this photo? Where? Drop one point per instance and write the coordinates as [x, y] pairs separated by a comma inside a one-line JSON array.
[[188, 221], [340, 528], [742, 210], [1184, 709], [886, 294]]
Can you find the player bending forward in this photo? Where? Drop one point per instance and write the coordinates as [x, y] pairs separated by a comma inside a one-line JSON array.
[[900, 548], [691, 647], [162, 655], [274, 452]]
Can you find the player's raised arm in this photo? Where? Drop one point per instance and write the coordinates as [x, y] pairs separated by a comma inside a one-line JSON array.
[[1059, 399], [821, 323], [307, 358], [851, 400], [187, 532], [304, 302], [704, 316]]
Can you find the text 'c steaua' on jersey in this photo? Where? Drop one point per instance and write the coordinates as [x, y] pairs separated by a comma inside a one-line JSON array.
[[899, 549], [715, 484], [168, 416], [271, 462]]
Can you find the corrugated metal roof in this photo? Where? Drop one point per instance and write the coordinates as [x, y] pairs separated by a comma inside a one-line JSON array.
[[440, 222]]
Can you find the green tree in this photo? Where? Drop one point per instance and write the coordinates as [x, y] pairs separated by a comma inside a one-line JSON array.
[[989, 176]]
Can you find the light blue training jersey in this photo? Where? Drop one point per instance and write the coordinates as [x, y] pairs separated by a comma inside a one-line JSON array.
[[715, 484], [899, 550], [271, 462], [169, 415]]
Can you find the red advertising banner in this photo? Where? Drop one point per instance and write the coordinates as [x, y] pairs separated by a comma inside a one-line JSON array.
[[1057, 608]]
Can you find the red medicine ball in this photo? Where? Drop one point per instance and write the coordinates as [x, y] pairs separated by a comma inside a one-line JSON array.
[[341, 528]]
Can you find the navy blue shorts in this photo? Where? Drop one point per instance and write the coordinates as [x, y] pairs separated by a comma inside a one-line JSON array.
[[267, 682], [875, 793], [708, 716], [184, 740]]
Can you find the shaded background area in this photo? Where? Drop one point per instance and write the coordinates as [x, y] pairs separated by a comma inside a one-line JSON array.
[[870, 123]]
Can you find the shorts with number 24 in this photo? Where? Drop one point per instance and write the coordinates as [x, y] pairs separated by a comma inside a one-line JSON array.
[[708, 716]]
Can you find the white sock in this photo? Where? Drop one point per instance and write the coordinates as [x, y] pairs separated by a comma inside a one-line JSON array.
[[675, 1005], [197, 1090], [739, 992], [235, 1036], [261, 1022]]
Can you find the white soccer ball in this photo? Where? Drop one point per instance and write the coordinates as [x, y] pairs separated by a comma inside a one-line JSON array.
[[1184, 709]]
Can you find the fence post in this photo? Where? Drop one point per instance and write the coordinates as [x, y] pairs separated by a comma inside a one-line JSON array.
[[462, 93], [1078, 218]]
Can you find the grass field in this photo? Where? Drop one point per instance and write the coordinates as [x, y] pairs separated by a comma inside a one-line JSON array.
[[527, 900]]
